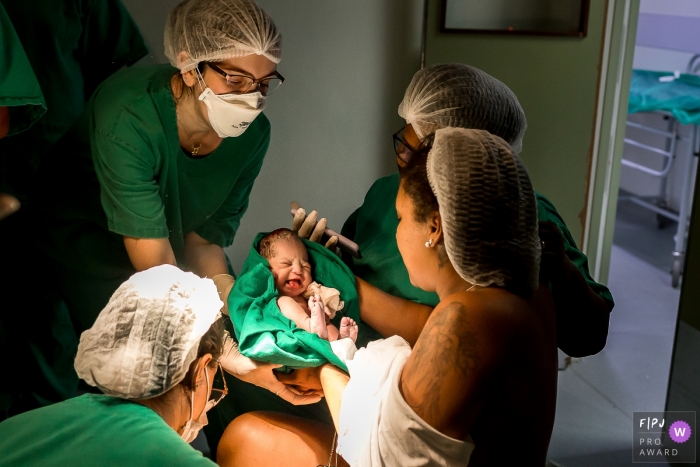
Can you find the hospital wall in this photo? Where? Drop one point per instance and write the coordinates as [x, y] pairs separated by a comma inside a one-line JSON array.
[[346, 66], [556, 81], [668, 36]]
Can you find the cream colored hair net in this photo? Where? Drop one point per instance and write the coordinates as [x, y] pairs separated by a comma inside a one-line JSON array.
[[488, 209], [215, 30], [458, 95], [145, 339]]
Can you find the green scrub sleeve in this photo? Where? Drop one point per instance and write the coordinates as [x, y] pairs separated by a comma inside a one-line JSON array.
[[220, 229], [19, 88], [546, 212], [129, 192], [108, 27]]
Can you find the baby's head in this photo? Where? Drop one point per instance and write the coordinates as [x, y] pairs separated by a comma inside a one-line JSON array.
[[289, 261]]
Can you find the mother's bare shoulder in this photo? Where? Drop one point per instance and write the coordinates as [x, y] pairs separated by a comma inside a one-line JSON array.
[[490, 310]]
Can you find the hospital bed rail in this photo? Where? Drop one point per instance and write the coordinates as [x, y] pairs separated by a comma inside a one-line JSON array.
[[669, 157]]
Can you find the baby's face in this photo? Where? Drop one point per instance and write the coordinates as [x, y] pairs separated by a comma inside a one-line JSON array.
[[290, 268]]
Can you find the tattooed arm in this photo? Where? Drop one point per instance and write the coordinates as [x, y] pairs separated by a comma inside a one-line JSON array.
[[444, 378]]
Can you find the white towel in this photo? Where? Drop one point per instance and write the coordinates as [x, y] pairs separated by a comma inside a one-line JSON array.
[[378, 428], [344, 349]]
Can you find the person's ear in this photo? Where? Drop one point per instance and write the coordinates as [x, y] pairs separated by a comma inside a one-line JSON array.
[[435, 226], [189, 77], [201, 367]]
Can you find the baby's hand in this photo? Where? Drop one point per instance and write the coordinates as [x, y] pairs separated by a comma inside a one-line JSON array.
[[315, 301]]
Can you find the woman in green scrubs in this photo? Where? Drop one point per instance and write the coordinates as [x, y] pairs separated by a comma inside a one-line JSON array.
[[159, 167], [153, 352]]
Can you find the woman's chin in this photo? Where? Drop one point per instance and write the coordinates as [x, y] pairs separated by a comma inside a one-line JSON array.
[[414, 282], [423, 285]]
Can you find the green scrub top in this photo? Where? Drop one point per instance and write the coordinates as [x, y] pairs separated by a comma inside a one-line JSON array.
[[72, 45], [19, 89], [120, 171], [373, 228], [94, 430]]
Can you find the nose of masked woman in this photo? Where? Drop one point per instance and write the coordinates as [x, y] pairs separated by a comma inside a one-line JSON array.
[[230, 114]]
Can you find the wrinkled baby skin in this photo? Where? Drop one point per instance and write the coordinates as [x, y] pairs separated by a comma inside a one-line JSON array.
[[290, 267]]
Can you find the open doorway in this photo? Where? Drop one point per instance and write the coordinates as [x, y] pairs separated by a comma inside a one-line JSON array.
[[598, 395]]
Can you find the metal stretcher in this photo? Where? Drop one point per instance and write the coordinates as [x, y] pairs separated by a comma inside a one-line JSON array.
[[677, 98]]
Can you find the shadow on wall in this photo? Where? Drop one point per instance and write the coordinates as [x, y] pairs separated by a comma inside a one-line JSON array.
[[402, 61], [151, 17]]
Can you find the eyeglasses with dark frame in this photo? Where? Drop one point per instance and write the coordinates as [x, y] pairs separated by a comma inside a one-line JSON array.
[[242, 84], [216, 393], [405, 151]]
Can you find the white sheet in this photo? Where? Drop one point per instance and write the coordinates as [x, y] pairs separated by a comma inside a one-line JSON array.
[[378, 428]]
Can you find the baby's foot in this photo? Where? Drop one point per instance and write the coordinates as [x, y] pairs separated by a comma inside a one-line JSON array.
[[348, 328], [318, 317]]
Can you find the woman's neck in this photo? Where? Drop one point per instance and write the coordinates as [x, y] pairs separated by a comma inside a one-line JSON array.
[[172, 407], [449, 282], [193, 128]]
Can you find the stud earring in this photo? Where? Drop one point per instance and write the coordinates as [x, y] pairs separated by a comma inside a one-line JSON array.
[[429, 244]]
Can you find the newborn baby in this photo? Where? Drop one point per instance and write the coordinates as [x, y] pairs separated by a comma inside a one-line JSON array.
[[289, 263]]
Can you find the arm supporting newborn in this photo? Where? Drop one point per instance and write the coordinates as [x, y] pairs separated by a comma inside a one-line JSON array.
[[203, 257], [333, 382], [327, 378], [391, 315]]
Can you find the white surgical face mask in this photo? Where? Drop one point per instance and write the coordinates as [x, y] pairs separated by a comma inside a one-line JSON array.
[[192, 427], [231, 114]]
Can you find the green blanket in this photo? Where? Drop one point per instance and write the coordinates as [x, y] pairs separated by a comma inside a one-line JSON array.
[[264, 333], [680, 97]]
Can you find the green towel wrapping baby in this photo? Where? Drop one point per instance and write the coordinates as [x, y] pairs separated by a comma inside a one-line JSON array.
[[281, 315]]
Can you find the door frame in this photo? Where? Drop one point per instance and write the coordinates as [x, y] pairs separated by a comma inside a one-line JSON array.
[[609, 132]]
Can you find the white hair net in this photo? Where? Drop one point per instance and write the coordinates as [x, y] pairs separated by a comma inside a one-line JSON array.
[[215, 30], [458, 95], [488, 209], [144, 340]]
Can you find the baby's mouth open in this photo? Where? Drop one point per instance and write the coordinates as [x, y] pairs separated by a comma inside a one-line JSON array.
[[294, 284]]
